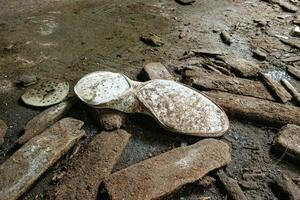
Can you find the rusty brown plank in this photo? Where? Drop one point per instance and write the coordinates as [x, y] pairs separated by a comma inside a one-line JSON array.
[[160, 175], [26, 165], [258, 110], [88, 168]]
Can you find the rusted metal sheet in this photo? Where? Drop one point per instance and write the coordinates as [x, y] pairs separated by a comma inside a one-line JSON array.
[[43, 120], [88, 168], [26, 165], [161, 175], [288, 140], [258, 110], [194, 113]]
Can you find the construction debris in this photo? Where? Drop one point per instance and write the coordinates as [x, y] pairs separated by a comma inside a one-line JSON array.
[[88, 169], [155, 70], [152, 40], [44, 120], [294, 71], [290, 189], [292, 90], [3, 129], [258, 110], [276, 88], [288, 140], [226, 38], [202, 80], [232, 186], [158, 176], [26, 165]]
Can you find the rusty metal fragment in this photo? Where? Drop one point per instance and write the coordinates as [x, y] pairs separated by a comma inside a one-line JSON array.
[[3, 129], [88, 169], [158, 176], [26, 165], [258, 110], [288, 140], [43, 120]]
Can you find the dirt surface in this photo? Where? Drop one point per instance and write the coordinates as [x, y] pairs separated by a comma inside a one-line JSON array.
[[67, 39]]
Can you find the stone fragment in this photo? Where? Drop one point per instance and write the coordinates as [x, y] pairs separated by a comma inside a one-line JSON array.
[[249, 185], [295, 31], [206, 181], [185, 2], [155, 70], [257, 53], [294, 71], [290, 189], [286, 6], [295, 43], [44, 120], [276, 88], [226, 38], [152, 40], [3, 129], [288, 140], [254, 109], [160, 175], [292, 90], [111, 120], [27, 164], [27, 79], [203, 80], [88, 168]]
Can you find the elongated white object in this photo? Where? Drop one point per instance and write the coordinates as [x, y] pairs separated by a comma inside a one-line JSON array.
[[174, 106]]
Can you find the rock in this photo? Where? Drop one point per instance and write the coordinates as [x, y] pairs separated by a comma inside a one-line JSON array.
[[160, 175], [232, 186], [290, 189], [206, 181], [111, 119], [254, 109], [260, 22], [155, 70], [27, 79], [276, 88], [292, 90], [185, 2], [44, 120], [202, 80], [286, 6], [257, 53], [295, 72], [46, 93], [90, 167], [288, 140], [249, 185], [152, 40], [295, 32], [226, 38], [240, 67], [291, 42], [28, 163], [3, 129]]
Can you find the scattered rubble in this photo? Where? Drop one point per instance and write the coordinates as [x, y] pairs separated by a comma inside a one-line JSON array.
[[290, 189], [258, 110], [152, 40], [203, 80], [292, 90], [46, 93], [160, 175], [288, 140], [87, 169], [226, 38], [44, 120], [276, 88], [155, 70], [3, 129], [294, 71], [232, 187], [26, 165]]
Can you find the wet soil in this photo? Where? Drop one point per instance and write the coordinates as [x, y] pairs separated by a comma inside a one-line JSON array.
[[67, 39]]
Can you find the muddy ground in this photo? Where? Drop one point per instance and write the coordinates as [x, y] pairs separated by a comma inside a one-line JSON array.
[[67, 39]]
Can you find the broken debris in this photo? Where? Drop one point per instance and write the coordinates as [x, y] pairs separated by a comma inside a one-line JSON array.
[[3, 129], [88, 169], [292, 90], [185, 2], [290, 189], [288, 140], [231, 185], [160, 175], [295, 72], [295, 43], [155, 70], [226, 38], [152, 40], [286, 6], [111, 119], [295, 31], [258, 110], [257, 53], [276, 88], [26, 165], [46, 93]]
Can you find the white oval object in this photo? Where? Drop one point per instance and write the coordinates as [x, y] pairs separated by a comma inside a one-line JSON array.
[[182, 109], [46, 93]]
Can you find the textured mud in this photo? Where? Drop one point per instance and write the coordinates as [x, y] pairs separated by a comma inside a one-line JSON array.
[[68, 39]]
